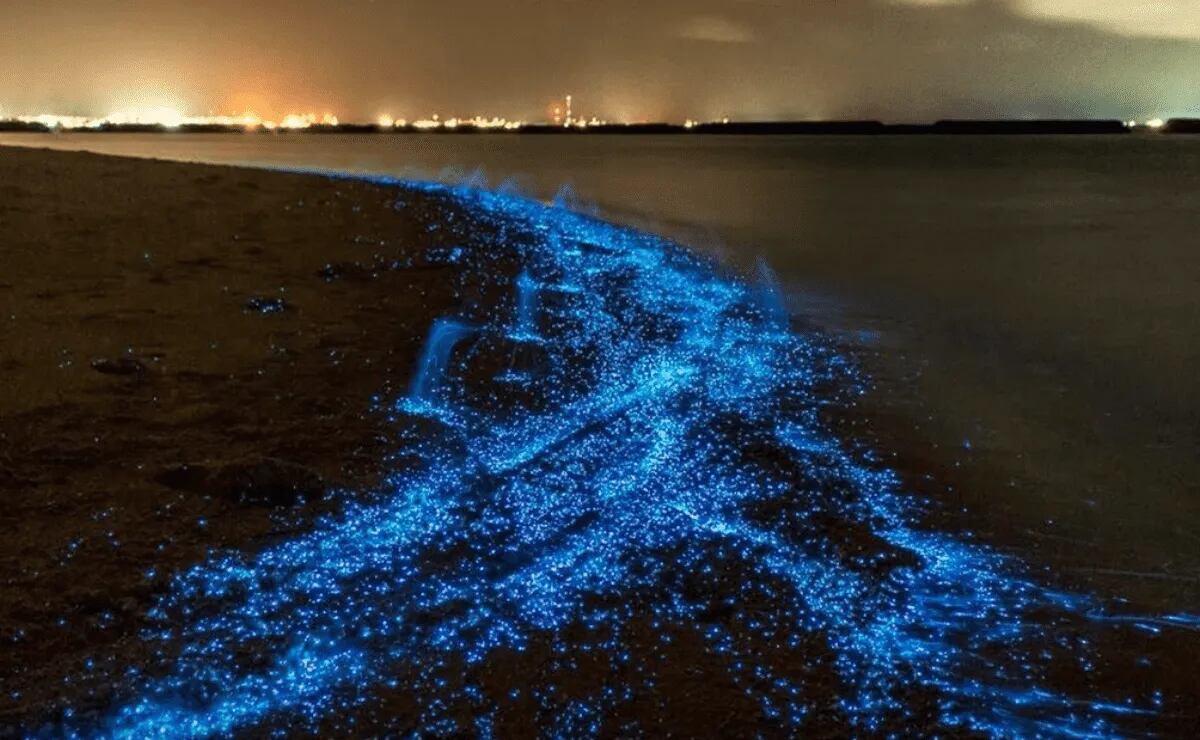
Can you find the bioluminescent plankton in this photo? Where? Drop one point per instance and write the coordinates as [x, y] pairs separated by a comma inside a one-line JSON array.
[[634, 442]]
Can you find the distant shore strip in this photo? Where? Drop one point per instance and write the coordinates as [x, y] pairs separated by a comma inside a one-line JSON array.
[[1047, 127]]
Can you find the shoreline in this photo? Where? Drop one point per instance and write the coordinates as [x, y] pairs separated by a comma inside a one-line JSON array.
[[349, 305]]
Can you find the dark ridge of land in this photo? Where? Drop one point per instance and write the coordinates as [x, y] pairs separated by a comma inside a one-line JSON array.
[[345, 128], [736, 128], [795, 128], [1182, 126], [23, 127], [1056, 127], [611, 128], [861, 128]]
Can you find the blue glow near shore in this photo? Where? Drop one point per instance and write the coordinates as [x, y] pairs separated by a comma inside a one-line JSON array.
[[668, 424]]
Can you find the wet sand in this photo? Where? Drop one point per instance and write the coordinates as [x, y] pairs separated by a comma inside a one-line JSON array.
[[192, 358]]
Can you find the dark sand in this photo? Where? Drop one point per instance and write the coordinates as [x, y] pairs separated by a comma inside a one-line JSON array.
[[128, 261], [143, 388]]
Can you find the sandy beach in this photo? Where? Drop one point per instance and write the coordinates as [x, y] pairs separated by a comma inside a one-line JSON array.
[[135, 342], [358, 457]]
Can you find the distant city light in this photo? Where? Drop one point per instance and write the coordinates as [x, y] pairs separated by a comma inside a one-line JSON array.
[[1155, 123], [691, 124], [562, 114], [478, 122], [165, 117], [294, 121]]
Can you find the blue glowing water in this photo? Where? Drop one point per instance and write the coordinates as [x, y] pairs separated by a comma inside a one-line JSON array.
[[670, 458], [431, 369], [526, 299], [771, 299]]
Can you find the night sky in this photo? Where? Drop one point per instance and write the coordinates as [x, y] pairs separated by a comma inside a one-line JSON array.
[[622, 59]]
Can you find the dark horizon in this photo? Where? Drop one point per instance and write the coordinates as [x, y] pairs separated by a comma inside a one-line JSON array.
[[1001, 126]]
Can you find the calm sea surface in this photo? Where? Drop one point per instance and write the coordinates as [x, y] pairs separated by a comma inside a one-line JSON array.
[[1031, 306]]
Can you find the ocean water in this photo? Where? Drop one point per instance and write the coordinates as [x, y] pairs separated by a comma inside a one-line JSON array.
[[1030, 307]]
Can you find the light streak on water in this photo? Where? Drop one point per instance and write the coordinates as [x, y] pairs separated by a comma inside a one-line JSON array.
[[636, 437], [431, 369], [526, 300]]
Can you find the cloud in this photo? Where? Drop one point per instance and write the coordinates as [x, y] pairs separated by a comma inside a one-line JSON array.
[[716, 29], [1164, 18], [1153, 18]]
